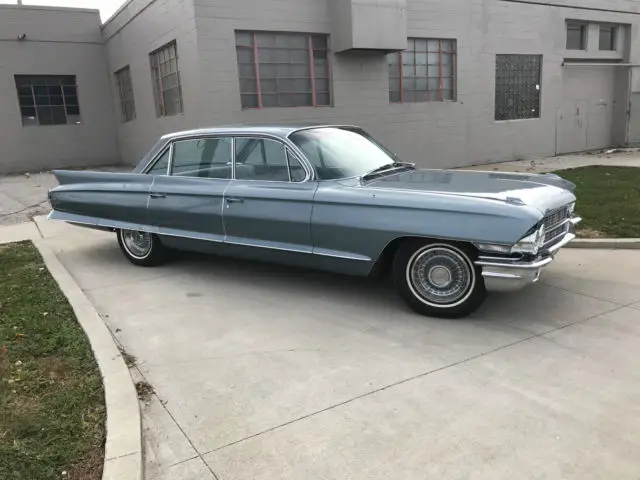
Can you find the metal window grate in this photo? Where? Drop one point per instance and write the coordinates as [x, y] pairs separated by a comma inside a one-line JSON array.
[[48, 99], [424, 72], [125, 90], [283, 69], [518, 86], [165, 73]]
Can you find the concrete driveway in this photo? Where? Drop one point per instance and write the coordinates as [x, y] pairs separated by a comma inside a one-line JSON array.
[[265, 372]]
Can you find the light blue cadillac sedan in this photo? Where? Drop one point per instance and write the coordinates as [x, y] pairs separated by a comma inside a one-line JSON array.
[[329, 197]]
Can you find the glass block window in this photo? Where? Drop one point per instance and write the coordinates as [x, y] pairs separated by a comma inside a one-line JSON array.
[[518, 86], [125, 92], [165, 74], [48, 99], [283, 69], [424, 72], [576, 36], [608, 35]]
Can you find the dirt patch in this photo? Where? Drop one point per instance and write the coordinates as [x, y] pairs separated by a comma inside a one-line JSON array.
[[589, 233], [144, 390]]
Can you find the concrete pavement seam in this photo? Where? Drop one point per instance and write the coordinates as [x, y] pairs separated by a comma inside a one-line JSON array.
[[195, 449], [410, 379], [123, 446]]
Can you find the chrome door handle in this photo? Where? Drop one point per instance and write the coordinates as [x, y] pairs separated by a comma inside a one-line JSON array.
[[234, 200], [158, 195]]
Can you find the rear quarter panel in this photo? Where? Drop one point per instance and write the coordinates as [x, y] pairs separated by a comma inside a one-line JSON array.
[[109, 199], [360, 223]]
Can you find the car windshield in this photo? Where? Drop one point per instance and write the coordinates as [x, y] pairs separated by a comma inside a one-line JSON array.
[[338, 152]]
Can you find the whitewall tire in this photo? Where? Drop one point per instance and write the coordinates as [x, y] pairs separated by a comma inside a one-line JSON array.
[[438, 279], [142, 248]]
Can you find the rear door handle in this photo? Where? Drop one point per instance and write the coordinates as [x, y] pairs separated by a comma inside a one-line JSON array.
[[235, 200], [158, 195]]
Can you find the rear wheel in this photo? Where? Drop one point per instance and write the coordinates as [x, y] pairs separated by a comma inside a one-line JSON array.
[[438, 279], [142, 248]]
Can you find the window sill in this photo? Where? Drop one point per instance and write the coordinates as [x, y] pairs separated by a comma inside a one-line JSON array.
[[513, 120]]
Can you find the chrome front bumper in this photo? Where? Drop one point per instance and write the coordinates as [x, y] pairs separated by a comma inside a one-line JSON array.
[[507, 275]]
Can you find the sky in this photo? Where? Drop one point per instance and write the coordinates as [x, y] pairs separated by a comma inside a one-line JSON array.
[[106, 7]]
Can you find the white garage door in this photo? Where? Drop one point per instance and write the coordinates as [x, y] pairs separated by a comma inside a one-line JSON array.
[[585, 120]]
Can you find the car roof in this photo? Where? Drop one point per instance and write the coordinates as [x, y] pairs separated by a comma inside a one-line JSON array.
[[278, 130]]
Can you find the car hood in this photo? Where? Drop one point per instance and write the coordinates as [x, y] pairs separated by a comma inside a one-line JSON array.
[[543, 192]]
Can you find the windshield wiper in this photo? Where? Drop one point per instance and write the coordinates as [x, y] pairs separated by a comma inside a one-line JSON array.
[[386, 167]]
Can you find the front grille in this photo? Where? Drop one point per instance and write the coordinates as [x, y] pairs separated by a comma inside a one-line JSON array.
[[556, 225]]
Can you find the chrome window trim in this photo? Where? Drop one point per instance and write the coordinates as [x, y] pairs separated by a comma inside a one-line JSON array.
[[199, 137], [157, 157], [309, 173]]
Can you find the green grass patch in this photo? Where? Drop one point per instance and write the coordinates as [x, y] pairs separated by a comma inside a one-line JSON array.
[[608, 200], [52, 413]]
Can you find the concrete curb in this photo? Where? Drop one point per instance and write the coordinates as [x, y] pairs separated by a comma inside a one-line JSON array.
[[606, 243], [123, 447]]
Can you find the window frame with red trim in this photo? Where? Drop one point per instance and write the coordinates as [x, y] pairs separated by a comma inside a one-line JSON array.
[[425, 72], [283, 69]]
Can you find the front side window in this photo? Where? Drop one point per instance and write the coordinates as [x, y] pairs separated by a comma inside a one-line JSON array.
[[608, 37], [165, 74], [161, 166], [125, 92], [265, 159], [576, 36], [48, 99], [204, 158], [341, 152], [424, 72], [283, 69], [518, 86]]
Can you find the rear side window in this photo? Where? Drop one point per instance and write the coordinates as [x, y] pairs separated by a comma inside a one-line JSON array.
[[162, 164], [267, 160], [204, 158]]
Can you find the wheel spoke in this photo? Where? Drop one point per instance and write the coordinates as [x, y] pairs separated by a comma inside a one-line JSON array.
[[138, 244], [440, 275]]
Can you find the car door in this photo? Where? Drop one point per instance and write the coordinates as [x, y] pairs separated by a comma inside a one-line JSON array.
[[186, 199], [270, 199]]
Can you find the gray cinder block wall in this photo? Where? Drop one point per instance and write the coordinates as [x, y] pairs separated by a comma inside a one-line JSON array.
[[57, 41], [435, 134], [432, 134]]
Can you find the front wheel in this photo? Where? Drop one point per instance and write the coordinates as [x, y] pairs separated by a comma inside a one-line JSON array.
[[142, 248], [438, 279]]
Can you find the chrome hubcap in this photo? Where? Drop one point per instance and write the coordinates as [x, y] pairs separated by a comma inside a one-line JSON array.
[[440, 275], [137, 243]]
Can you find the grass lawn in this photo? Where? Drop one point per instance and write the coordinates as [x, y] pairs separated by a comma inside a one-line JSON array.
[[608, 200], [52, 411]]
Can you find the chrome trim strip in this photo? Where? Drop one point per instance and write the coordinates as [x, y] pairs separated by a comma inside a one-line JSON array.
[[55, 215], [569, 237], [575, 220], [526, 266]]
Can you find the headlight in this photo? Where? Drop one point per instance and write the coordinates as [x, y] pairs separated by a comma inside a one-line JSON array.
[[530, 244]]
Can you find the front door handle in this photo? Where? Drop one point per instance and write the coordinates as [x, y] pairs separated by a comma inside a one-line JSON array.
[[158, 195], [235, 200]]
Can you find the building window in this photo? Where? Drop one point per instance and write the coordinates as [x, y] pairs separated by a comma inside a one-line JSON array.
[[608, 37], [424, 72], [576, 36], [283, 69], [48, 99], [125, 91], [165, 74], [518, 87]]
